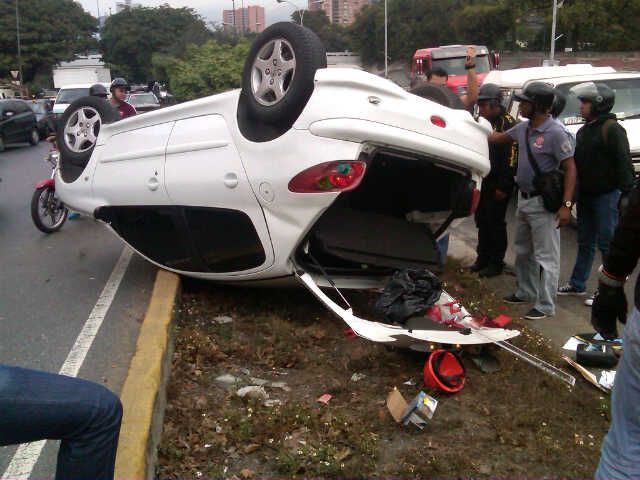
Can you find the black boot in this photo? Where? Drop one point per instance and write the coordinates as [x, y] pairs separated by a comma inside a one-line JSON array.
[[493, 270], [478, 266]]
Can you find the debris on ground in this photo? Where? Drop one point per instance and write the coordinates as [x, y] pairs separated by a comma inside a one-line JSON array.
[[356, 377], [222, 319], [253, 392], [408, 293], [228, 379], [589, 376], [485, 361], [417, 412], [325, 398]]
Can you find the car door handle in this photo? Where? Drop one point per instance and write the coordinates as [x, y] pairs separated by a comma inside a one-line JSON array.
[[153, 184]]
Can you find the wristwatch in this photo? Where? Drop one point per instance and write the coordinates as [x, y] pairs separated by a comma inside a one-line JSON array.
[[568, 204]]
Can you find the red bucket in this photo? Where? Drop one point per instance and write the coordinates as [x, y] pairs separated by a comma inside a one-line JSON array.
[[443, 371]]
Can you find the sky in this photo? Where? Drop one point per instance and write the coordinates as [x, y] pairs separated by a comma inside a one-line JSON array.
[[211, 10]]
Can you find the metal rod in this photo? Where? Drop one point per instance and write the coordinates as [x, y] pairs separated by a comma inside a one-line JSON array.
[[19, 49], [553, 31], [386, 56]]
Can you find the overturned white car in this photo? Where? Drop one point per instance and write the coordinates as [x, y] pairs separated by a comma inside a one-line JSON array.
[[328, 175]]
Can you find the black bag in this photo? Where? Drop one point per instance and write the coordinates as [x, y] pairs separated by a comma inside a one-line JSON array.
[[549, 184], [408, 293]]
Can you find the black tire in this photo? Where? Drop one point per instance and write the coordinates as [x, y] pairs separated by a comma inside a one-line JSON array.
[[2, 144], [43, 194], [439, 94], [309, 55], [107, 113], [34, 137]]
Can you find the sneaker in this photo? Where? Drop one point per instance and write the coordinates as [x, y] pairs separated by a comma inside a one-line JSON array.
[[589, 301], [534, 314], [477, 266], [491, 271], [569, 289], [513, 299]]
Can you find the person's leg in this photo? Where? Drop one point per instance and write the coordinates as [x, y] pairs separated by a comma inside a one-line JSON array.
[[498, 229], [84, 415], [482, 250], [620, 454], [527, 270], [546, 246], [586, 243], [606, 219]]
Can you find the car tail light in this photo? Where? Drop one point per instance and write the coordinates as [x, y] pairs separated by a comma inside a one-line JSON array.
[[438, 121], [337, 176], [475, 200]]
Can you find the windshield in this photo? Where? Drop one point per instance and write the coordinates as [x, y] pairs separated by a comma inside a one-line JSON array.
[[69, 95], [455, 66], [627, 103], [142, 99]]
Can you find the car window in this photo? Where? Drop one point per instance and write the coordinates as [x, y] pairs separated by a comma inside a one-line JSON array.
[[140, 99], [22, 107], [69, 95], [455, 66], [627, 102]]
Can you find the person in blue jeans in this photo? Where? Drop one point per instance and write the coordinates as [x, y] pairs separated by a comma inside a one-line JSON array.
[[620, 453], [85, 416], [604, 168]]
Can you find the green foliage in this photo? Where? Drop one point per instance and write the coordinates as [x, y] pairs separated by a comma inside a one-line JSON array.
[[132, 36], [50, 31], [334, 37], [202, 70]]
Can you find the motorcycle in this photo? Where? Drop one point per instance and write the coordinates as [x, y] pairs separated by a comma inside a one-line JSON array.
[[47, 211]]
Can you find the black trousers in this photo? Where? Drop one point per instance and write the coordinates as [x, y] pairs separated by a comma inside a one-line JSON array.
[[492, 229]]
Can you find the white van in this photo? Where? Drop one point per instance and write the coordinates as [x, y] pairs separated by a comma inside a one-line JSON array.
[[70, 93], [626, 86]]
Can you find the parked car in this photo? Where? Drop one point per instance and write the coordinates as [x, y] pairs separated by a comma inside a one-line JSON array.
[[143, 102], [626, 86], [17, 123], [69, 93], [44, 116], [334, 177]]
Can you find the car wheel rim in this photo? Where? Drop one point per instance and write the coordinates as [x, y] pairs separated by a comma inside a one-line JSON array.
[[34, 137], [81, 130], [272, 73]]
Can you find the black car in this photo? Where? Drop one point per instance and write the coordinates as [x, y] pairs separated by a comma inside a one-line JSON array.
[[17, 123], [44, 116], [143, 102]]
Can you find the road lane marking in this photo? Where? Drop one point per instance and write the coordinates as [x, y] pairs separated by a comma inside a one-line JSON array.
[[27, 454]]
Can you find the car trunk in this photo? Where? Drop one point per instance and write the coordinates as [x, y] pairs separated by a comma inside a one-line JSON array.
[[392, 220]]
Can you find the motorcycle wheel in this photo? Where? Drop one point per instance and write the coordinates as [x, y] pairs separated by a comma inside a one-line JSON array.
[[48, 213]]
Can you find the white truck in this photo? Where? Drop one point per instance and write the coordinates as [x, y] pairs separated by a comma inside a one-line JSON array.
[[90, 69]]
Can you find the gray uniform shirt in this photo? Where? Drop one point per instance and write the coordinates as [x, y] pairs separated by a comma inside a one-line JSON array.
[[549, 144]]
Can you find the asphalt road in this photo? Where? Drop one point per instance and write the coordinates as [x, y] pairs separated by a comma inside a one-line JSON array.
[[50, 283]]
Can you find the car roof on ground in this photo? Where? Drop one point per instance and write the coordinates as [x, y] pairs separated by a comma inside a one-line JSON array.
[[518, 77]]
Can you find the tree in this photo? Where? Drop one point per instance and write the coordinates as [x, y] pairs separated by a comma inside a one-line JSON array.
[[203, 70], [132, 36], [334, 37], [50, 31]]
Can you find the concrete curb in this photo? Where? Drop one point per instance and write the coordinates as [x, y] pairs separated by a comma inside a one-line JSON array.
[[143, 395]]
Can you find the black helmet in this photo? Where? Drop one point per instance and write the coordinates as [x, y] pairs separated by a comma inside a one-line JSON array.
[[98, 90], [559, 102], [489, 91], [600, 95], [539, 93], [118, 82]]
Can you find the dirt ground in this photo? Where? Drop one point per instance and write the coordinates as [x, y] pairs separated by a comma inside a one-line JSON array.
[[519, 421]]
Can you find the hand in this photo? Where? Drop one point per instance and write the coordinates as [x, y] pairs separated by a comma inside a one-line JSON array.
[[500, 195], [471, 56], [563, 216], [609, 305]]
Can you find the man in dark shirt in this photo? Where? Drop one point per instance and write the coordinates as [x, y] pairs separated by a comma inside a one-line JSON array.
[[118, 89], [604, 169], [496, 187], [621, 447]]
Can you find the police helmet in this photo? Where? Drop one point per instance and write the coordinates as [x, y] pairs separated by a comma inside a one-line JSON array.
[[599, 95], [118, 83], [559, 102], [489, 91], [540, 94], [98, 90]]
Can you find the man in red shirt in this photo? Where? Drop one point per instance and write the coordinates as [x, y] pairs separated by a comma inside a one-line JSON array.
[[118, 90]]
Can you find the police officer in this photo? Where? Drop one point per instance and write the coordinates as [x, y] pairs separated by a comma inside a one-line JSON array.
[[496, 187], [537, 242], [605, 171]]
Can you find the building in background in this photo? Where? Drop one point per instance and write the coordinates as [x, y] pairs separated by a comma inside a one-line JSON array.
[[244, 20], [342, 12], [125, 4]]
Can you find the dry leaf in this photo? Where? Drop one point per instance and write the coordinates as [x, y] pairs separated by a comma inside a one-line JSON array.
[[246, 473]]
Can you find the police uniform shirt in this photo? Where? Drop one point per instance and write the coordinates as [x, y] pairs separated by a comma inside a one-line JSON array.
[[549, 144]]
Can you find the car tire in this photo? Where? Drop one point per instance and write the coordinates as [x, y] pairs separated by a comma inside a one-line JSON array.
[[278, 95], [76, 149], [34, 137], [2, 144], [439, 94]]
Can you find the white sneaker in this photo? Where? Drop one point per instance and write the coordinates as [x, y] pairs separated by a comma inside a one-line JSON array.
[[589, 301]]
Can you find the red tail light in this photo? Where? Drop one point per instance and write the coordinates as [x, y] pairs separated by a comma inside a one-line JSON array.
[[438, 121], [337, 176], [475, 200]]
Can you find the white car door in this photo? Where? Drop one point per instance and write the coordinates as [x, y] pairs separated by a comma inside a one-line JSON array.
[[205, 178]]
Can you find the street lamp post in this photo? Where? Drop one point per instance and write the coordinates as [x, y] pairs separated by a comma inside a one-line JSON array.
[[300, 11], [386, 45], [19, 50], [553, 31]]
